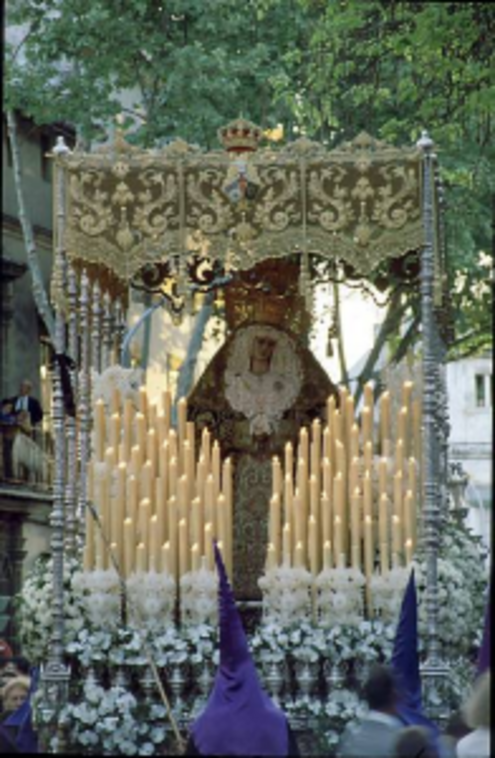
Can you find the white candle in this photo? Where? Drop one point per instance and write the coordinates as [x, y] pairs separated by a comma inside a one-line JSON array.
[[299, 555], [195, 557], [141, 562], [183, 548], [368, 455], [313, 546], [367, 494], [287, 542], [143, 401], [99, 427], [289, 459], [355, 528], [406, 393], [330, 408], [399, 456], [327, 555], [409, 551], [182, 419], [270, 557], [144, 522], [326, 517], [368, 558], [337, 531], [383, 523], [166, 560], [385, 416], [154, 551], [128, 422], [368, 395], [209, 546], [115, 430], [167, 408], [396, 534], [129, 547], [367, 422], [276, 476], [275, 521], [402, 428]]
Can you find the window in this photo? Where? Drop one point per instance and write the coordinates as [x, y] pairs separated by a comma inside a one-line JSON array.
[[483, 386]]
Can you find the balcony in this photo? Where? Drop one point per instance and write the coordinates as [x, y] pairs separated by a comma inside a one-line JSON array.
[[26, 456]]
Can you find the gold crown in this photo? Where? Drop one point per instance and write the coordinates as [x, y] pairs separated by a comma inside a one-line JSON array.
[[240, 136], [268, 293]]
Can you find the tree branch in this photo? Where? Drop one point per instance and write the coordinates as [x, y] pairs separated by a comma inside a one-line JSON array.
[[39, 292], [394, 314]]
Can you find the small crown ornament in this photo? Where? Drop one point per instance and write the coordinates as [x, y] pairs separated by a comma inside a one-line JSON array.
[[240, 136]]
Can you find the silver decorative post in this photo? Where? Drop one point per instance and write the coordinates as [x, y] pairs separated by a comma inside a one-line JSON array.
[[120, 330], [96, 311], [83, 404], [107, 323], [434, 672], [54, 675], [72, 479]]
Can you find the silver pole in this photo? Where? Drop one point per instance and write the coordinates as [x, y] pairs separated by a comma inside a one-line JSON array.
[[83, 403], [54, 675], [71, 482], [433, 671]]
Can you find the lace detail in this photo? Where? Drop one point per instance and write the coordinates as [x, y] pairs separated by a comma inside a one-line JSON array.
[[262, 398]]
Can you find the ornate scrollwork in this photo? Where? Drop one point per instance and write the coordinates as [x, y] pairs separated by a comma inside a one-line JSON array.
[[130, 208]]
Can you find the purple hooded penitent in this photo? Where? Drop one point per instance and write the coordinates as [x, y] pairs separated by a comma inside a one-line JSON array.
[[239, 717]]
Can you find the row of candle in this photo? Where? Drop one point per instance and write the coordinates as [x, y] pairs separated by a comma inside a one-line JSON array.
[[159, 504], [335, 502]]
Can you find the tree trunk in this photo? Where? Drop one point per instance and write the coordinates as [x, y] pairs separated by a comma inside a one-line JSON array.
[[39, 291], [344, 376], [392, 319]]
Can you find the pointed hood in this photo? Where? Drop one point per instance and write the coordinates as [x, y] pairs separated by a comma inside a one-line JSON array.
[[405, 661], [484, 651], [239, 717]]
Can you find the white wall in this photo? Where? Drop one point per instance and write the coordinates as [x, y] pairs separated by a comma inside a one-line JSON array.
[[471, 437]]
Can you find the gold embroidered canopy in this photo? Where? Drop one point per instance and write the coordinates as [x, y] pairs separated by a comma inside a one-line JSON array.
[[127, 208]]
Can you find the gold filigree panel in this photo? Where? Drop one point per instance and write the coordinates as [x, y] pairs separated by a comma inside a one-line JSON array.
[[360, 203]]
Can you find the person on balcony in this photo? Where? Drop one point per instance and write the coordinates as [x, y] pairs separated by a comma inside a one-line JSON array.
[[24, 407], [22, 412]]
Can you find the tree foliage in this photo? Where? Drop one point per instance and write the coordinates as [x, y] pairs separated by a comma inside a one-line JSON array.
[[325, 69]]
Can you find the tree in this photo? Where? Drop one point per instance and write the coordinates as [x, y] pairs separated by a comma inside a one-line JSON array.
[[393, 68]]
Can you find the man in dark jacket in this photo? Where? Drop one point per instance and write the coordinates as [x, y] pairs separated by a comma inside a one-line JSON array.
[[24, 402]]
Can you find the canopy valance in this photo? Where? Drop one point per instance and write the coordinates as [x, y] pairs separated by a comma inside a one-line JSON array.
[[127, 208]]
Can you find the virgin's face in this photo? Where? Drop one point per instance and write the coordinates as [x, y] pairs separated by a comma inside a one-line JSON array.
[[263, 348]]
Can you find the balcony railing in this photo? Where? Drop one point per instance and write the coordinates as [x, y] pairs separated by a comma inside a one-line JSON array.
[[26, 455]]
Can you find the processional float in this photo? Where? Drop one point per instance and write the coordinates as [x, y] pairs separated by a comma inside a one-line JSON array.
[[180, 220]]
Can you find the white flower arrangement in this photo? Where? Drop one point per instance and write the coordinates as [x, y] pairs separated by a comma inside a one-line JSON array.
[[34, 604], [111, 722], [339, 597], [152, 595], [462, 584], [100, 591], [387, 591], [286, 594], [198, 596]]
